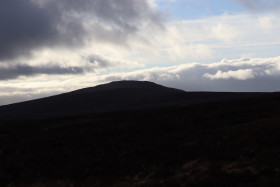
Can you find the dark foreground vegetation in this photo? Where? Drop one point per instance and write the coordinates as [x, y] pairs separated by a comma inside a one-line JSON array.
[[223, 143]]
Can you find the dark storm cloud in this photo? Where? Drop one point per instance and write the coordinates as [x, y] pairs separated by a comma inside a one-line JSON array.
[[260, 5], [16, 71], [28, 25], [23, 26]]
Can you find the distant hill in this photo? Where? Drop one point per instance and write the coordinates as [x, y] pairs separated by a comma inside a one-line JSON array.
[[114, 96]]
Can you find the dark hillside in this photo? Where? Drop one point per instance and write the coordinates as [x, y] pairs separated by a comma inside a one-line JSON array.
[[224, 143]]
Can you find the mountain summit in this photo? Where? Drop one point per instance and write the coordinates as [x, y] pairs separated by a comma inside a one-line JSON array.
[[128, 84]]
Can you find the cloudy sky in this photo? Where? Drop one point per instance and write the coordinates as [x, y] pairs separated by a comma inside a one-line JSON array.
[[54, 46]]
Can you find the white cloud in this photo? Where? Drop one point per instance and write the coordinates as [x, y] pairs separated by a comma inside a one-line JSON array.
[[226, 33], [241, 74], [210, 39]]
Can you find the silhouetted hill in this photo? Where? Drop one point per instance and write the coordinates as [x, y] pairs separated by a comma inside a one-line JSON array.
[[114, 96], [146, 85]]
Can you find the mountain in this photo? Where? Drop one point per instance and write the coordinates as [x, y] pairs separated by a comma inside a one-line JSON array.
[[114, 96]]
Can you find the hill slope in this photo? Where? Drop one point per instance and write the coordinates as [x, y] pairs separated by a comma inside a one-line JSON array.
[[223, 143]]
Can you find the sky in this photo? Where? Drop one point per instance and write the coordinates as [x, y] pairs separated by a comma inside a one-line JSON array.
[[49, 47]]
